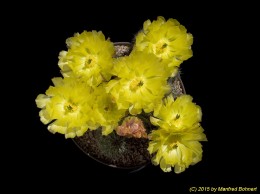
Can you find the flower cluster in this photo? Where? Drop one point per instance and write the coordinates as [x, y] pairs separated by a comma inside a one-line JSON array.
[[100, 90]]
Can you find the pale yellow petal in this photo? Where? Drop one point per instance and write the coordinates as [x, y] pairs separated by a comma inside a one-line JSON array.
[[107, 130], [164, 166], [53, 127], [179, 168], [70, 135], [45, 117], [42, 100], [57, 81]]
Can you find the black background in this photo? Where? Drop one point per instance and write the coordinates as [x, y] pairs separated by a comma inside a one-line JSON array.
[[215, 76]]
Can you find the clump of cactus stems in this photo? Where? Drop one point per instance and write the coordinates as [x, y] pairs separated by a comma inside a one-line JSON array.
[[98, 90]]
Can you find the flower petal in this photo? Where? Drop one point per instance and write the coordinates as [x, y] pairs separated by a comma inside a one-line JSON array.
[[45, 117], [42, 100]]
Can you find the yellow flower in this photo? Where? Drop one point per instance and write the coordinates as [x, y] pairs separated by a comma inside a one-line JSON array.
[[68, 104], [89, 57], [176, 142], [178, 114], [107, 110], [168, 40], [178, 150], [141, 82]]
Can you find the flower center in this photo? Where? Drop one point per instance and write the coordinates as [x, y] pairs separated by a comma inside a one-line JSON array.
[[70, 107], [173, 140], [90, 61], [136, 84], [177, 117], [108, 107], [160, 47]]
